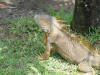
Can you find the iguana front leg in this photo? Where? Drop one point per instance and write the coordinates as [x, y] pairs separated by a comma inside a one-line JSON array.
[[50, 39], [86, 68], [45, 42], [46, 54]]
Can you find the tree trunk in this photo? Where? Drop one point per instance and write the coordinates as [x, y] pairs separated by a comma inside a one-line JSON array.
[[86, 14]]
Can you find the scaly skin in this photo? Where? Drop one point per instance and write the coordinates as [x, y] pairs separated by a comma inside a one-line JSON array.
[[69, 46]]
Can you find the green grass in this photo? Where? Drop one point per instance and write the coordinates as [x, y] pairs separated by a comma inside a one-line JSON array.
[[61, 15], [18, 54], [94, 36]]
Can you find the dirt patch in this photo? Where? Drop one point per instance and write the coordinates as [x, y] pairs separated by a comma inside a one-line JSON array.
[[10, 13], [14, 8]]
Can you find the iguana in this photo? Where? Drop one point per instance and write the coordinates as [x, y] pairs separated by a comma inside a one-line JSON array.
[[68, 45]]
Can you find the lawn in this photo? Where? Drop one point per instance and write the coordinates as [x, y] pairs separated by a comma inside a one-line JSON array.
[[23, 42]]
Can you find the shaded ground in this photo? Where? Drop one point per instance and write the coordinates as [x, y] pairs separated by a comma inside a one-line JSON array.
[[9, 13], [29, 7]]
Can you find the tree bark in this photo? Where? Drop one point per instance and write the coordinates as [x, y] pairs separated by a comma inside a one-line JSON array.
[[86, 14]]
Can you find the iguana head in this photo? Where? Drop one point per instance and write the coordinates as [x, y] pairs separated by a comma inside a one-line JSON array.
[[44, 22]]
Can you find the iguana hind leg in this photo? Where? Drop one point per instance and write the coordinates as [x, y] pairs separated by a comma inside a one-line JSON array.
[[86, 68]]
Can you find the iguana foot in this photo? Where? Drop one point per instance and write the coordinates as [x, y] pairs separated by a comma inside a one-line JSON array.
[[43, 56]]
